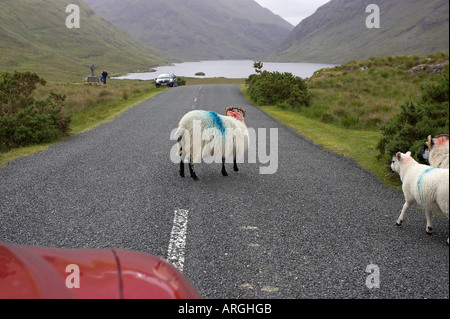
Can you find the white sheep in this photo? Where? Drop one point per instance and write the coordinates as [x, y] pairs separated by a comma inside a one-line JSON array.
[[202, 134], [436, 151], [427, 186]]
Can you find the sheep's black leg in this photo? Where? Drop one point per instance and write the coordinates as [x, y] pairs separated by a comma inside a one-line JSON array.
[[181, 168], [181, 163], [236, 169], [224, 172], [191, 170]]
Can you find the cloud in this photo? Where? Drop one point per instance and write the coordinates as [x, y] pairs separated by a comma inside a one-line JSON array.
[[292, 11]]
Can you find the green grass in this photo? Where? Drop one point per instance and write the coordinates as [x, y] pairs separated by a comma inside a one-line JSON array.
[[366, 94], [92, 105]]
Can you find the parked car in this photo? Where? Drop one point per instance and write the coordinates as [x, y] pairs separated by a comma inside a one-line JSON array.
[[48, 273], [166, 79]]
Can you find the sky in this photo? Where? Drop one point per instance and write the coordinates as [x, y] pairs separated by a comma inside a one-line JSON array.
[[292, 11]]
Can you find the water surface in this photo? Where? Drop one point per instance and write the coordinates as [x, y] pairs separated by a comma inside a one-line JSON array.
[[232, 69]]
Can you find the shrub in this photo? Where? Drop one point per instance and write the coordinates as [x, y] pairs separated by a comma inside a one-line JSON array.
[[409, 129], [278, 88], [24, 120]]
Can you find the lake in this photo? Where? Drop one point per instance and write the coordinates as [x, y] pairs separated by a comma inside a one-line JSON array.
[[232, 69]]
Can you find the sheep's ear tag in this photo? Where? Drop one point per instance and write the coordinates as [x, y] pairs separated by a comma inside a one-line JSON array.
[[399, 156]]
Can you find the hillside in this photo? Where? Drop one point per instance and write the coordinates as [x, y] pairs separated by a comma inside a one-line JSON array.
[[337, 32], [198, 29], [34, 37]]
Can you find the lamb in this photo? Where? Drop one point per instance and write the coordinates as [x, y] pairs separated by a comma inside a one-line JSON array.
[[204, 133], [427, 186], [436, 150]]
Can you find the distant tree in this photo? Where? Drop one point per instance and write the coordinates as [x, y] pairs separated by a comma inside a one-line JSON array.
[[258, 67]]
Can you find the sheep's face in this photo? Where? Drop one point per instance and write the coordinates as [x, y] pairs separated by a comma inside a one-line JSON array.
[[236, 112], [428, 146], [424, 153], [400, 159]]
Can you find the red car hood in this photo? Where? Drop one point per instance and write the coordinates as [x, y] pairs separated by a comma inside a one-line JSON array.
[[38, 272]]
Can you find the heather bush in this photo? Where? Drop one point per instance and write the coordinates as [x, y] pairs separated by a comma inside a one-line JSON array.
[[24, 120], [417, 119], [272, 88]]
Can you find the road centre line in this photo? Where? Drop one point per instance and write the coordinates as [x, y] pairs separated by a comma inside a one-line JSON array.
[[177, 243]]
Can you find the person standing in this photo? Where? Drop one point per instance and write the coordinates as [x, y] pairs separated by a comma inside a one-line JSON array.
[[104, 75]]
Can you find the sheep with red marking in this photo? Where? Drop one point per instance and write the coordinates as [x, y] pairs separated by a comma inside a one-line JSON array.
[[436, 151], [203, 134]]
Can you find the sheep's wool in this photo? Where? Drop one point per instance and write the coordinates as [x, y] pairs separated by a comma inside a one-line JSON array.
[[226, 125], [216, 121]]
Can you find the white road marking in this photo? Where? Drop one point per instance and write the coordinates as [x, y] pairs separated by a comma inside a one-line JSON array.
[[177, 244], [270, 289], [249, 228]]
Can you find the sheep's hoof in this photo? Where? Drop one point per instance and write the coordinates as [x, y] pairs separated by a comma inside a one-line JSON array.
[[182, 174], [399, 223], [224, 173], [236, 169], [194, 177], [429, 230]]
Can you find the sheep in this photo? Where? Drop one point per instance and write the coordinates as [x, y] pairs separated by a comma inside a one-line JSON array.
[[435, 150], [427, 186], [205, 133]]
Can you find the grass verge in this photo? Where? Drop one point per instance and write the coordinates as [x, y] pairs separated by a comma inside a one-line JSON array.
[[357, 144], [89, 106]]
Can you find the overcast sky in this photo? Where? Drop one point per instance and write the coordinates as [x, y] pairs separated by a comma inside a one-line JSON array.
[[292, 11]]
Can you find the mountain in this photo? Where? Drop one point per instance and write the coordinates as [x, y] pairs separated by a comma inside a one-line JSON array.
[[337, 32], [198, 29], [34, 37]]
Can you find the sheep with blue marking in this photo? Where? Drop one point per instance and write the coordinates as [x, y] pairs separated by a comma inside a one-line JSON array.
[[206, 134], [422, 185]]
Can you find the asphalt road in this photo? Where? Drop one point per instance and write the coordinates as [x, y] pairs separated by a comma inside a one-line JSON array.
[[308, 231]]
